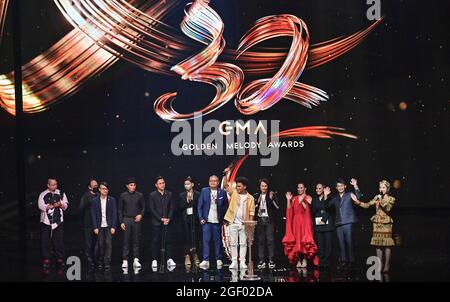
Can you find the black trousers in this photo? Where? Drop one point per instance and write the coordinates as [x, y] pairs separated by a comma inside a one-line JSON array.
[[104, 246], [90, 244], [192, 234], [157, 232], [132, 230], [265, 235], [324, 246], [52, 241]]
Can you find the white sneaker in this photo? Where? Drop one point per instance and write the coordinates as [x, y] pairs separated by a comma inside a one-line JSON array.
[[204, 264], [154, 264], [233, 265], [219, 264], [304, 263], [171, 263], [125, 264], [243, 265], [299, 264], [261, 265], [136, 263]]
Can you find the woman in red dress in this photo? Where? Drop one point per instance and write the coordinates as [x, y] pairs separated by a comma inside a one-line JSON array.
[[298, 240]]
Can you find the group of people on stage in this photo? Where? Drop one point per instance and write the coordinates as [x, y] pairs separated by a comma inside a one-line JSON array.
[[311, 221], [217, 214]]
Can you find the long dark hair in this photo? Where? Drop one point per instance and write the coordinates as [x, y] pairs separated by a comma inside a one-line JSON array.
[[263, 180]]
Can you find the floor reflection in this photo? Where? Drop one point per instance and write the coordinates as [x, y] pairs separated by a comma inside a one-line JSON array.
[[194, 274]]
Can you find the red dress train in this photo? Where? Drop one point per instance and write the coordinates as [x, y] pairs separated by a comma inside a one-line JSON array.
[[299, 239]]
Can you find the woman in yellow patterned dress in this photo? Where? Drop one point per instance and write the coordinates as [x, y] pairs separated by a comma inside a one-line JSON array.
[[382, 223]]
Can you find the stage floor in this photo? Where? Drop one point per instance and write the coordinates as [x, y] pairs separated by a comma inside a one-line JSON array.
[[181, 274], [282, 274], [424, 255]]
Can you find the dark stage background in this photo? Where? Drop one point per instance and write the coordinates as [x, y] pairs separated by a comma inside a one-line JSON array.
[[108, 130]]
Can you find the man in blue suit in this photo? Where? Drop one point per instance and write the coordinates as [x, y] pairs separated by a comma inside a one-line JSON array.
[[345, 219], [104, 223], [212, 206]]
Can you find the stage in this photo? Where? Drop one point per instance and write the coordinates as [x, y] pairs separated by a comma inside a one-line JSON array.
[[288, 94], [422, 256]]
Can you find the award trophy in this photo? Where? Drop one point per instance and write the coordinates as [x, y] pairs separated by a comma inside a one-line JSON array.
[[249, 227]]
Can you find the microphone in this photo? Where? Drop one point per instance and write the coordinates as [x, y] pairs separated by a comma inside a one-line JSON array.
[[380, 196]]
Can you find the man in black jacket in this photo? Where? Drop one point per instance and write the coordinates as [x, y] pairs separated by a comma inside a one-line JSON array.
[[160, 206], [191, 227], [90, 239], [104, 223], [265, 208], [131, 209], [323, 224]]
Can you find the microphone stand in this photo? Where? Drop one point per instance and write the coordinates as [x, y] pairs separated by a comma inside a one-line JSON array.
[[193, 245], [162, 266]]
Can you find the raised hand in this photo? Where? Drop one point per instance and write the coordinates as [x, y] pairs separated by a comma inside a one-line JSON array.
[[288, 196], [288, 199], [308, 199], [327, 191]]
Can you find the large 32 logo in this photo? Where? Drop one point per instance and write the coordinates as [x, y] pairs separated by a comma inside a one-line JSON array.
[[106, 32]]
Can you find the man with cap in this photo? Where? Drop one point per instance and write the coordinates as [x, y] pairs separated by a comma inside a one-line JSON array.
[[131, 208], [52, 203], [90, 239]]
